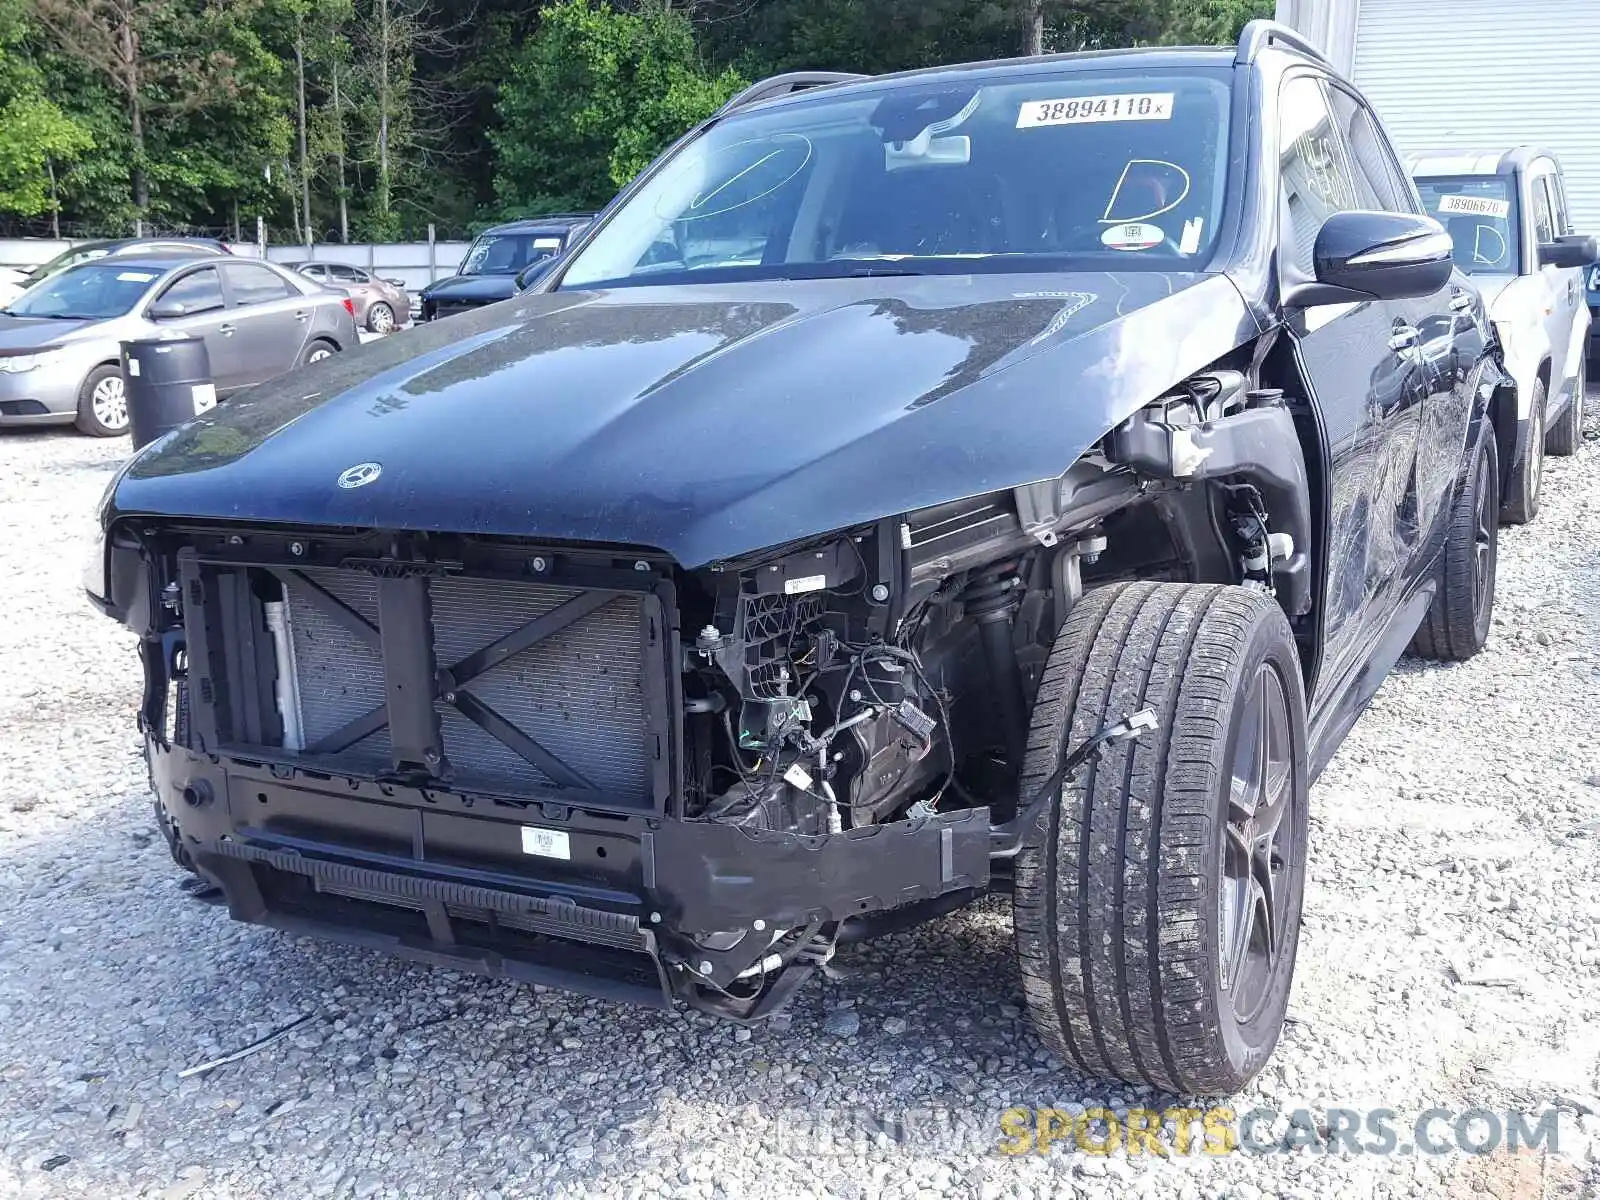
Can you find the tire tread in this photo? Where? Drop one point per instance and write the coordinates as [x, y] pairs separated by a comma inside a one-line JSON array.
[[1128, 844]]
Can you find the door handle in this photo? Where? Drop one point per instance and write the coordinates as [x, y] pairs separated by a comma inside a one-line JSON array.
[[1404, 338], [227, 330], [1460, 302], [302, 315]]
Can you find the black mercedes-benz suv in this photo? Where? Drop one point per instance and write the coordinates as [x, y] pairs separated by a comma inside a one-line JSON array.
[[1014, 477]]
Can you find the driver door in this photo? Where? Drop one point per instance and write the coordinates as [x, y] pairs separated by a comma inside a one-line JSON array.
[[1361, 366], [1563, 286], [205, 315]]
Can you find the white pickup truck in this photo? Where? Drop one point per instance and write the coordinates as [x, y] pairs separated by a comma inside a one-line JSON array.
[[1506, 211]]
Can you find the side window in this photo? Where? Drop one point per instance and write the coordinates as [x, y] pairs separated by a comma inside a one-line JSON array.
[[319, 273], [197, 292], [1378, 179], [1544, 222], [1558, 193], [255, 285], [1315, 176]]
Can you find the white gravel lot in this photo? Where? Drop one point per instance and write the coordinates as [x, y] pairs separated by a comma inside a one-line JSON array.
[[1450, 959]]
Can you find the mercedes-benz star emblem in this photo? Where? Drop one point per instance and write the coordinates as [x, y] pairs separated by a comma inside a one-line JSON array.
[[360, 475]]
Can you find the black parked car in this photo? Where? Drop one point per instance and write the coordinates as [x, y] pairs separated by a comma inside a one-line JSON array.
[[500, 262], [911, 488]]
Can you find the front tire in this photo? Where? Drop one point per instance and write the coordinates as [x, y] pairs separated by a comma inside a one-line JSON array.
[[1522, 489], [103, 403], [1457, 624], [1567, 431], [1157, 902]]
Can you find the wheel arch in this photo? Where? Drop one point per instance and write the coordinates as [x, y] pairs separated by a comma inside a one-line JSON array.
[[1510, 429]]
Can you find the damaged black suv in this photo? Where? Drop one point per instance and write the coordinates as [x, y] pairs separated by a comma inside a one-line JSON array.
[[1004, 478]]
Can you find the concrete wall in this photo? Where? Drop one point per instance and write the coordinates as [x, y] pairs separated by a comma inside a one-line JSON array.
[[416, 263]]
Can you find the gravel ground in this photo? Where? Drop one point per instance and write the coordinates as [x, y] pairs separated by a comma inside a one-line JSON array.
[[1450, 959]]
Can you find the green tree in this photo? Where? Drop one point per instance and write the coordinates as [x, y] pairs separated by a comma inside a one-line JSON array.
[[35, 134], [1207, 22], [200, 97], [592, 98]]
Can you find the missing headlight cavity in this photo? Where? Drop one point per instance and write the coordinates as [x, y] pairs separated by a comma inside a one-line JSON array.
[[826, 692]]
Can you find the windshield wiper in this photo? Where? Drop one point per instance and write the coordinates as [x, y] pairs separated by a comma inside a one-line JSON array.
[[881, 272]]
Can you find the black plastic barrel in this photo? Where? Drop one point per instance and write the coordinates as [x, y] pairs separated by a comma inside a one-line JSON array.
[[168, 382]]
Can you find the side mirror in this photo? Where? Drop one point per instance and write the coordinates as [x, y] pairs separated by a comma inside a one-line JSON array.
[[1574, 250], [1377, 256], [168, 310], [399, 283], [533, 272]]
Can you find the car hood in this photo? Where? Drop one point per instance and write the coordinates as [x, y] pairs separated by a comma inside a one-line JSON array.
[[1492, 288], [706, 421], [20, 334], [471, 289]]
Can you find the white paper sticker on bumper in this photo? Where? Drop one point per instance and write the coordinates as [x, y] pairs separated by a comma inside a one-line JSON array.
[[546, 843], [205, 397]]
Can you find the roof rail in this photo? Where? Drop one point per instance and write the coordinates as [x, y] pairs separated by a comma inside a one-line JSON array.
[[783, 85], [1261, 33]]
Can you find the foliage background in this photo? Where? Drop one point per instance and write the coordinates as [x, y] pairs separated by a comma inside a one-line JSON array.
[[371, 119]]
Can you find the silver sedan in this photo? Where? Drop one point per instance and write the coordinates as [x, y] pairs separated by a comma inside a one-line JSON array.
[[60, 341]]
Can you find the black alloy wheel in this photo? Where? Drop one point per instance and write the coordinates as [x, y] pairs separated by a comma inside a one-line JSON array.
[[1260, 843]]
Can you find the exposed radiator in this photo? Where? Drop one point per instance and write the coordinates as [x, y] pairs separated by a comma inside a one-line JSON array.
[[581, 694]]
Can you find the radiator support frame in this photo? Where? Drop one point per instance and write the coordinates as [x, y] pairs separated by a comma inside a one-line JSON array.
[[233, 673]]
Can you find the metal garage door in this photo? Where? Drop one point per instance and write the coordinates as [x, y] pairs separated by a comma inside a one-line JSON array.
[[1488, 74]]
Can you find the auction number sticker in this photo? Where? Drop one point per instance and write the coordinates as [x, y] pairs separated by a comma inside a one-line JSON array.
[[1134, 236], [546, 843], [1087, 110], [1477, 206]]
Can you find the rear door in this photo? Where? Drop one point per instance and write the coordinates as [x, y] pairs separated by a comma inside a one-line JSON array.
[[206, 316], [272, 319], [1359, 362]]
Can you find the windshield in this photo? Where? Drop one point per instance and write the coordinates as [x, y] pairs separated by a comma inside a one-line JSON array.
[[508, 253], [1482, 217], [67, 258], [1110, 169], [94, 290]]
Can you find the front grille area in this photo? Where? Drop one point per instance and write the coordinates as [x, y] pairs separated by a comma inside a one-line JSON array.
[[580, 694]]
